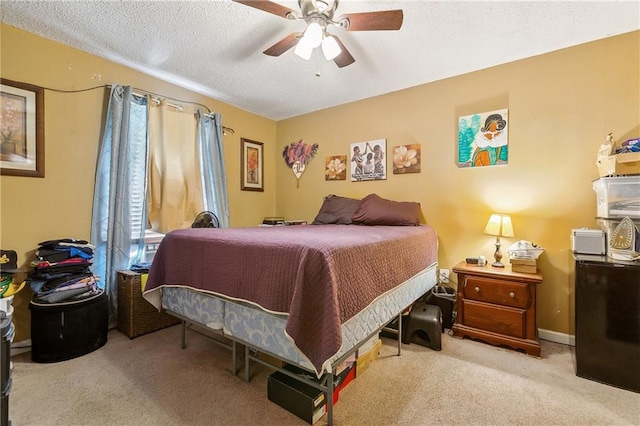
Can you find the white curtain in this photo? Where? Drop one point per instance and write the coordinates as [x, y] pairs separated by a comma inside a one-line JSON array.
[[175, 197]]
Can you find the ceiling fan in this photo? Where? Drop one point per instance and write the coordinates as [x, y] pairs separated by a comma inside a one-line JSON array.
[[318, 14]]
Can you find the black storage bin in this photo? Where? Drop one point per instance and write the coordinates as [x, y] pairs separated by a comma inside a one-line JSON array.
[[4, 410], [444, 298], [6, 334], [61, 331]]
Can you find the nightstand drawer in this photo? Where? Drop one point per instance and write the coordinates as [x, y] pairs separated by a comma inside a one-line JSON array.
[[507, 293], [497, 319]]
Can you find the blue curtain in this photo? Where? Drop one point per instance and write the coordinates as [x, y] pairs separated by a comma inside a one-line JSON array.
[[117, 228], [214, 175]]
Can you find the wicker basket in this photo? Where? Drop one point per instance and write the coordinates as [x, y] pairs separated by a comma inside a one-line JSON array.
[[136, 316]]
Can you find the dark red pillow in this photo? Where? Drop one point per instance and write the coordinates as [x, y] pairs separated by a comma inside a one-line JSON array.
[[336, 210], [375, 210]]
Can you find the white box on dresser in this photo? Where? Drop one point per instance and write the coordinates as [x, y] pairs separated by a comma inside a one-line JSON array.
[[588, 241]]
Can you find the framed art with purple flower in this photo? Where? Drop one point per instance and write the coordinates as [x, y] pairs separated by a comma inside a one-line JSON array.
[[252, 166], [21, 129]]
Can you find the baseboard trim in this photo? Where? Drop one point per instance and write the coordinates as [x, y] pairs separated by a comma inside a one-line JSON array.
[[18, 348], [554, 336]]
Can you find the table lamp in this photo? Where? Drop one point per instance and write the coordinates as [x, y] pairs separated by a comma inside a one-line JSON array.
[[500, 226]]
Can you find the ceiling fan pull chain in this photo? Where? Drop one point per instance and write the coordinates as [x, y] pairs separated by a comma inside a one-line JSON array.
[[318, 63]]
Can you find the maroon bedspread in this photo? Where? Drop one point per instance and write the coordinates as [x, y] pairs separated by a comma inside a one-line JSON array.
[[321, 275]]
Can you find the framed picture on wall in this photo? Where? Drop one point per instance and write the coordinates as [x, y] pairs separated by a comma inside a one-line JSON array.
[[483, 139], [368, 160], [406, 159], [252, 162], [335, 168], [21, 129]]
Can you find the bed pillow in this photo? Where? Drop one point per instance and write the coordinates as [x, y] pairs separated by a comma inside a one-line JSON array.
[[375, 210], [336, 210]]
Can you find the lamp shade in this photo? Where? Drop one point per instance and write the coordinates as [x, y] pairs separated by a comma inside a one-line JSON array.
[[330, 48], [499, 225], [304, 49], [313, 34]]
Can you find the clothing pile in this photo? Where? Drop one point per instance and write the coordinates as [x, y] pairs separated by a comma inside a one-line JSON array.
[[141, 268], [61, 271]]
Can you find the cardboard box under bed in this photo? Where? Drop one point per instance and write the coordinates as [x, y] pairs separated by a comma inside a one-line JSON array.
[[136, 316]]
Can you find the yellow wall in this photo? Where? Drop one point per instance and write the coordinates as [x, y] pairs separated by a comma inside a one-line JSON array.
[[59, 205], [561, 106]]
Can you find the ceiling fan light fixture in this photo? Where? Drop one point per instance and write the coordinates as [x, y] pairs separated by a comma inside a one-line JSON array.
[[322, 5], [313, 34], [304, 49], [330, 48]]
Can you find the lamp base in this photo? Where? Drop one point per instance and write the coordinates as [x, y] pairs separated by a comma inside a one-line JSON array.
[[497, 255]]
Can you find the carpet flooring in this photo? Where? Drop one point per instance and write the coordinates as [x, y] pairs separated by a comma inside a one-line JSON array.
[[150, 380]]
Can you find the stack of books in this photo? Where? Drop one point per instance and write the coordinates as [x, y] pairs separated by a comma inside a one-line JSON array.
[[524, 265], [273, 221]]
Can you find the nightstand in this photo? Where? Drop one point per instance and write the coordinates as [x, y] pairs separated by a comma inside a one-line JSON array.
[[498, 306]]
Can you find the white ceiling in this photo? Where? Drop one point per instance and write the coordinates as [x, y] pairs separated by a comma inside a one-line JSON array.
[[215, 47]]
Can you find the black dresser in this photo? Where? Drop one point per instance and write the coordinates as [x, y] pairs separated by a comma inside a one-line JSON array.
[[608, 321]]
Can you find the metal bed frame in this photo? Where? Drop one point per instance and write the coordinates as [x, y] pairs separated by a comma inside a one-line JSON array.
[[233, 347]]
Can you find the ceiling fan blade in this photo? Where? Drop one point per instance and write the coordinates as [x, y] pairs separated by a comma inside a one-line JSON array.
[[344, 58], [283, 45], [372, 21], [271, 7]]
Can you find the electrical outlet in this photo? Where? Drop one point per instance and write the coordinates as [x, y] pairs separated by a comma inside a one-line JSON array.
[[444, 276]]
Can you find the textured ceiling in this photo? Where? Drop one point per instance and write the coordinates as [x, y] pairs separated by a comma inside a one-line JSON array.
[[214, 47]]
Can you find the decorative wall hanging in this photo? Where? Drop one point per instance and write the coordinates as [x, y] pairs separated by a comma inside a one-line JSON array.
[[368, 160], [483, 139], [406, 159], [252, 165], [336, 168], [21, 129], [297, 155]]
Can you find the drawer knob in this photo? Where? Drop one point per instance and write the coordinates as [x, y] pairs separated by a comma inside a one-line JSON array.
[[512, 295], [477, 289]]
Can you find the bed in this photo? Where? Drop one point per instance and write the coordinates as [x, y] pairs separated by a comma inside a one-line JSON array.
[[308, 295]]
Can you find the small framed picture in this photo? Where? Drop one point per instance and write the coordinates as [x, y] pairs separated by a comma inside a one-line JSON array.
[[483, 139], [368, 160], [21, 129], [335, 168], [252, 171], [406, 159]]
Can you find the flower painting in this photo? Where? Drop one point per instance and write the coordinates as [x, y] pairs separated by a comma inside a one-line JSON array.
[[252, 165], [483, 139], [336, 168], [297, 155], [252, 161], [21, 129], [406, 159], [368, 160]]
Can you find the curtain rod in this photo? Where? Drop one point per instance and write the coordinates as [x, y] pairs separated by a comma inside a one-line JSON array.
[[180, 108]]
